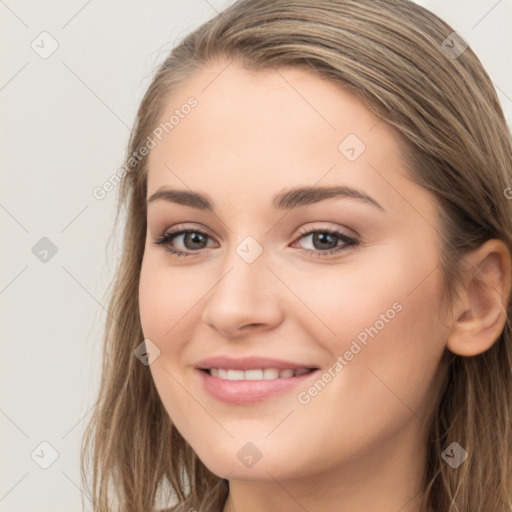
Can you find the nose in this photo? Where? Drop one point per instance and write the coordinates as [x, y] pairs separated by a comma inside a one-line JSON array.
[[245, 299]]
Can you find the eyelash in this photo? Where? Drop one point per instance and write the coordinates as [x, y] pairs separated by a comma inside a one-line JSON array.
[[165, 239]]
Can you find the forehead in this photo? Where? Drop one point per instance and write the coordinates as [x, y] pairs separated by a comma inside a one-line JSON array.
[[291, 102], [268, 130]]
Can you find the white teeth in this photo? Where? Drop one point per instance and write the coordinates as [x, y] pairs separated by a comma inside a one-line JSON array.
[[253, 374], [257, 374], [236, 375], [270, 373]]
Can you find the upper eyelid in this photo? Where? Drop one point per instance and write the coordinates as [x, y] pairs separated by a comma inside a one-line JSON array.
[[183, 229]]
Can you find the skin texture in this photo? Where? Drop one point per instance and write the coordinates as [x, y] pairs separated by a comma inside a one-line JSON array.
[[360, 443]]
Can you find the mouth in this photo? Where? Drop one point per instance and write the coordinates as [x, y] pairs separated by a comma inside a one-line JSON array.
[[251, 380], [257, 373]]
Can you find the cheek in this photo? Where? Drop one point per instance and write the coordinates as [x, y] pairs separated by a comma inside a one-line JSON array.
[[390, 292], [167, 298], [388, 378], [153, 301], [383, 322]]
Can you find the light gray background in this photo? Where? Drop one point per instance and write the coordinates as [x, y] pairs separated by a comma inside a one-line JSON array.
[[65, 124]]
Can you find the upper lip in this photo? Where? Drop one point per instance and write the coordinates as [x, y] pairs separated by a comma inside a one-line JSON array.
[[249, 363]]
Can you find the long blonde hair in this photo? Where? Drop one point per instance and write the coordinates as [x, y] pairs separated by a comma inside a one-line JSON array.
[[393, 54]]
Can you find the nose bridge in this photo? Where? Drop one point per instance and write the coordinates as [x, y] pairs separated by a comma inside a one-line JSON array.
[[245, 273], [244, 294]]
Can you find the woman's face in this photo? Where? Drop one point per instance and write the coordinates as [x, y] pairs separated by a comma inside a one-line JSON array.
[[318, 312]]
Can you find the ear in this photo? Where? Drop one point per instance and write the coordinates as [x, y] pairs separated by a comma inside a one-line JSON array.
[[481, 311]]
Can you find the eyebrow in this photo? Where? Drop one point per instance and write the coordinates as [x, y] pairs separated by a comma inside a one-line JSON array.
[[291, 198]]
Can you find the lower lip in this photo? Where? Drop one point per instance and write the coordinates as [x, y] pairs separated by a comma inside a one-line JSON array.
[[243, 392]]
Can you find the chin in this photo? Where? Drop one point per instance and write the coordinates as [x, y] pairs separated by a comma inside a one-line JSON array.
[[238, 460]]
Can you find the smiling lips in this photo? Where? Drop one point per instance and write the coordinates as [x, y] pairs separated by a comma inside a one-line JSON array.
[[257, 374], [249, 380]]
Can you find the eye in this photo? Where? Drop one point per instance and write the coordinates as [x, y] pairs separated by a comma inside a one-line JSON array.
[[193, 240], [325, 241]]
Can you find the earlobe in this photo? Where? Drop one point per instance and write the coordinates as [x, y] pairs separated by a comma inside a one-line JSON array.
[[481, 311]]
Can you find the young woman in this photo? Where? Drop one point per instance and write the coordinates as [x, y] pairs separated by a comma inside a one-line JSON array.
[[312, 308]]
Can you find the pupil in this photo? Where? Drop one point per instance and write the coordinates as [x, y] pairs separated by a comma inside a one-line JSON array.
[[194, 237], [322, 238]]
